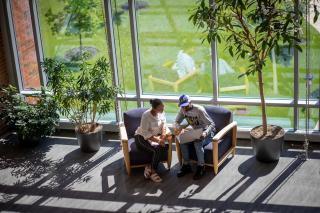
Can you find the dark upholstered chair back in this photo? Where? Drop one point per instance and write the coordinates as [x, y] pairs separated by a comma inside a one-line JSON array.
[[221, 116], [132, 120]]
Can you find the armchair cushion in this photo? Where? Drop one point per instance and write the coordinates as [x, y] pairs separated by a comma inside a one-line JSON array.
[[138, 157], [223, 145]]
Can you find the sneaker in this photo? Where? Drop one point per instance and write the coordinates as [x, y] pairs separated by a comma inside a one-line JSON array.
[[199, 173], [185, 169]]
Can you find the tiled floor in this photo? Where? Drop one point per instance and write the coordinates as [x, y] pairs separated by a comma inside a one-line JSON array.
[[57, 177]]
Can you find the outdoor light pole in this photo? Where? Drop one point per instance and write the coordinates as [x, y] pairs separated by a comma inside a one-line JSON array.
[[308, 78]]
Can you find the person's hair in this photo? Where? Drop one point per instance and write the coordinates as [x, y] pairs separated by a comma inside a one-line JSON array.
[[155, 103]]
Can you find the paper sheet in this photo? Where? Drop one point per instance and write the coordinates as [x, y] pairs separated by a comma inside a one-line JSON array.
[[190, 135]]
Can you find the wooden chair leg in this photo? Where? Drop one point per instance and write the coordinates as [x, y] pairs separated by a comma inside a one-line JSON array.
[[234, 140], [215, 157], [126, 155], [215, 169], [128, 168], [169, 138], [178, 150]]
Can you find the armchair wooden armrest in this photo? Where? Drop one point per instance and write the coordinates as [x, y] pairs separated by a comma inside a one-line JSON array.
[[123, 133], [216, 161], [224, 131], [125, 147]]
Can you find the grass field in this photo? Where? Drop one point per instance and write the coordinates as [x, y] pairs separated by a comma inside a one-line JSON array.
[[163, 31]]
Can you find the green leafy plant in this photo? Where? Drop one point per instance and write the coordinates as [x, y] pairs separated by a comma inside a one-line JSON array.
[[78, 17], [33, 117], [251, 30], [84, 97]]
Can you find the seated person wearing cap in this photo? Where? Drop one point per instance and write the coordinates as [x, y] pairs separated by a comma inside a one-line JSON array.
[[197, 118]]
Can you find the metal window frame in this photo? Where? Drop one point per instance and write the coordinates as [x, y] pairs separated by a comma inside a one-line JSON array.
[[135, 50], [16, 75], [37, 40], [112, 52], [296, 76]]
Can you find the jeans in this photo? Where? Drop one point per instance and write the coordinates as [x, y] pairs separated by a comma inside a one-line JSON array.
[[198, 146]]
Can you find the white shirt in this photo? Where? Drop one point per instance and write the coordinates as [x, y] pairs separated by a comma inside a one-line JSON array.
[[151, 125]]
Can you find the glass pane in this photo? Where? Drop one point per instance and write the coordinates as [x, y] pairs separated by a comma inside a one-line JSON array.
[[314, 62], [128, 105], [173, 58], [314, 118], [66, 34], [110, 116], [25, 44], [121, 25], [278, 73], [250, 116]]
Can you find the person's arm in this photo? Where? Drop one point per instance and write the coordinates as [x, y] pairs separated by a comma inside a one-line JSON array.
[[177, 124], [207, 119], [178, 120], [164, 126], [156, 139]]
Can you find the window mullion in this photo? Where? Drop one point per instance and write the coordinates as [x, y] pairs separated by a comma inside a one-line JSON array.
[[135, 50], [112, 52]]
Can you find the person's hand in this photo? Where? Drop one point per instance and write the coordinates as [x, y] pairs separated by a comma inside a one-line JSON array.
[[163, 136], [203, 136], [162, 142], [178, 131]]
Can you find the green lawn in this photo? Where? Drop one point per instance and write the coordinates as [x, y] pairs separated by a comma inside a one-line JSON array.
[[164, 30]]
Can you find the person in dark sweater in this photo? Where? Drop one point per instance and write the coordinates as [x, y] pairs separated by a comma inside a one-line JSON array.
[[197, 118]]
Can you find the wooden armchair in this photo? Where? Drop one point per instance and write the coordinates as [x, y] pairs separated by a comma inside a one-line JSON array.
[[224, 142], [133, 157]]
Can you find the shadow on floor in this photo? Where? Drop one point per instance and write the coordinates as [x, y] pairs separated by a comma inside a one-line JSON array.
[[41, 176]]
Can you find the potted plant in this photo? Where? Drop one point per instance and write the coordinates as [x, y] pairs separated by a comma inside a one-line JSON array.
[[83, 97], [33, 117], [252, 30]]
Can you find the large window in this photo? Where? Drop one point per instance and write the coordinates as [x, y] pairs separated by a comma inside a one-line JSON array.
[[278, 75], [121, 25], [70, 29], [173, 59], [25, 44], [313, 38], [159, 53], [250, 116], [67, 33], [314, 124]]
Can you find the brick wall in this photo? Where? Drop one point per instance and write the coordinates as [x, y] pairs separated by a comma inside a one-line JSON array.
[[4, 78], [25, 44]]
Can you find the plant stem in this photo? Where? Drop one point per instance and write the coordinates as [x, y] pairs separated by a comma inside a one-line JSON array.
[[80, 40], [94, 111], [263, 103]]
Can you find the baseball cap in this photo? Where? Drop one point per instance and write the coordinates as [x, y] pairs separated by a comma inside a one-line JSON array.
[[184, 100]]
